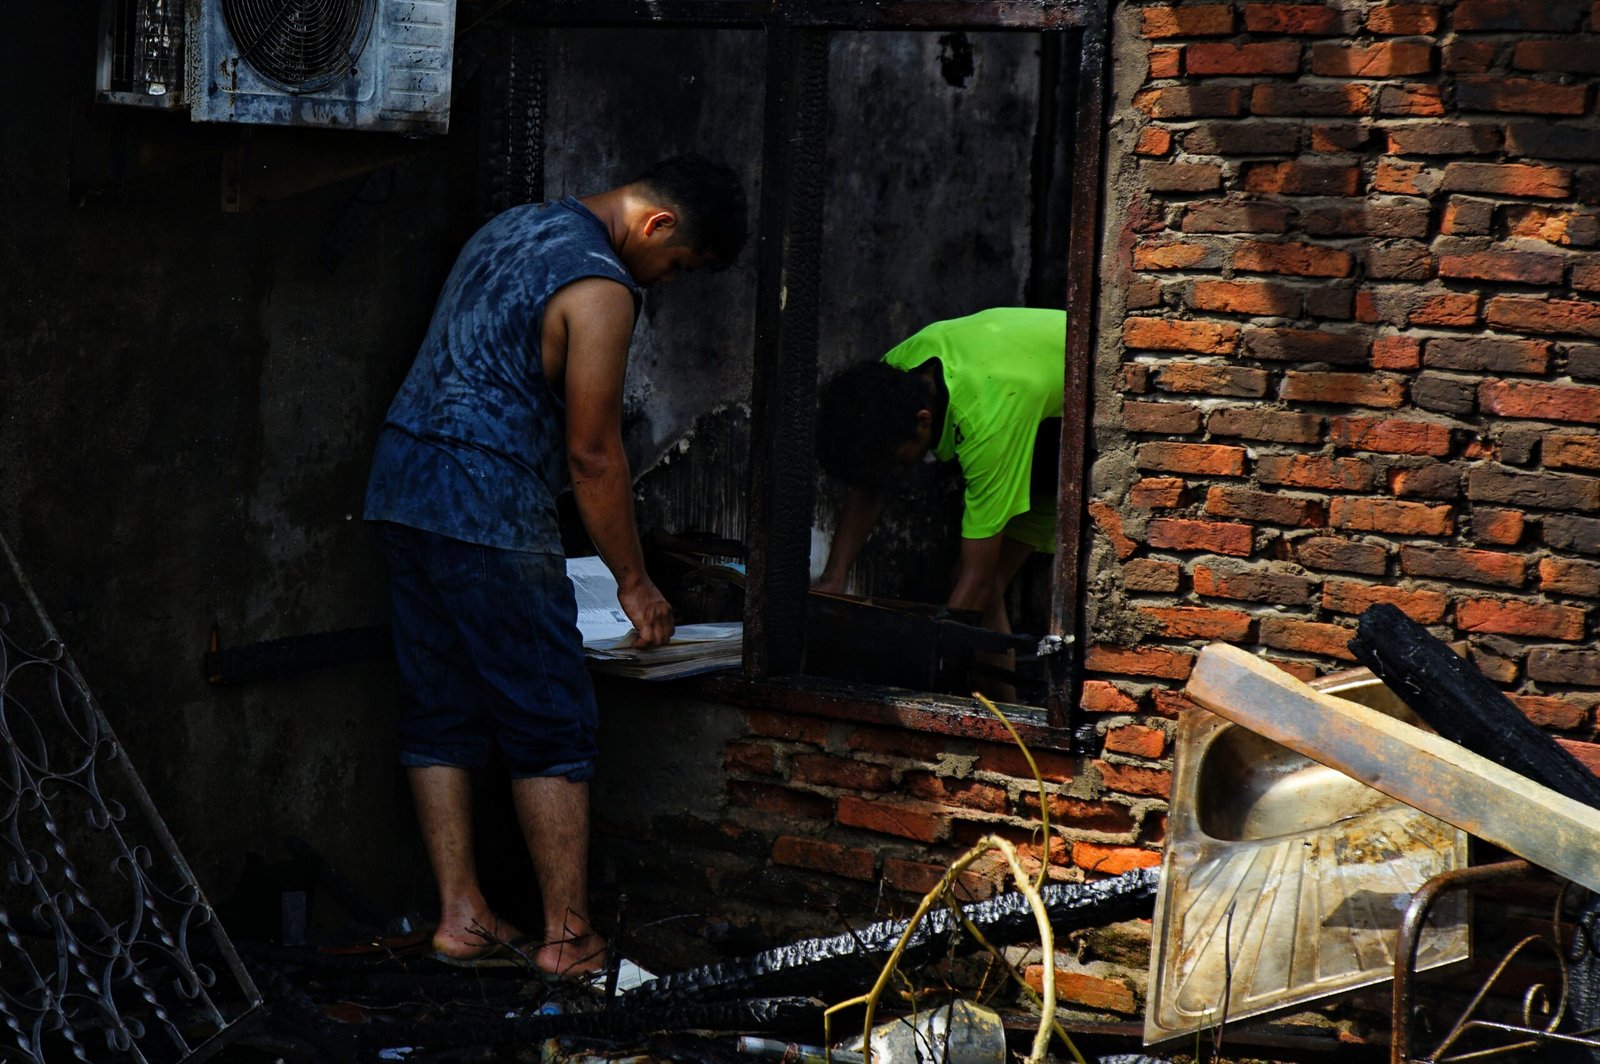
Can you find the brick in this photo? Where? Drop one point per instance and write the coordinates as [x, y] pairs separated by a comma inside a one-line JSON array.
[[1309, 19], [850, 773], [1180, 177], [1310, 100], [1459, 564], [1137, 740], [1566, 532], [1206, 459], [1305, 345], [1499, 93], [907, 819], [1396, 352], [917, 877], [1447, 308], [1383, 59], [1257, 423], [1252, 584], [1100, 696], [1502, 528], [1355, 598], [1339, 137], [820, 856], [1301, 179], [1196, 622], [1390, 435], [1188, 20], [1153, 140], [1534, 16], [779, 801], [1424, 100], [1191, 101], [1107, 817], [1217, 537], [1151, 574], [1544, 316], [1465, 56], [1568, 576], [1166, 334], [1108, 861], [1315, 471], [1515, 617], [1109, 522], [1356, 389], [1401, 20], [1404, 260], [1135, 779], [1169, 704], [963, 794], [1265, 507], [1497, 667], [1173, 419], [1367, 218], [1005, 759], [1588, 754], [1466, 216], [1201, 378], [1544, 491], [1135, 378], [1508, 179], [1586, 276], [1172, 255], [1487, 354], [1308, 637], [1155, 493], [1139, 661], [1537, 399], [1331, 301], [1566, 56], [786, 726], [1405, 178], [1341, 555], [1554, 713], [1390, 515], [1445, 394], [1236, 60], [1583, 361], [1443, 138], [1431, 480], [1235, 216], [897, 742], [1520, 267], [1562, 451], [750, 758], [1545, 140], [1562, 665], [1244, 137], [1266, 298], [1295, 259], [1165, 63]]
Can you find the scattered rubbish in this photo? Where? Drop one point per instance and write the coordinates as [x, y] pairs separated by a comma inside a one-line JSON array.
[[958, 1032], [792, 1053]]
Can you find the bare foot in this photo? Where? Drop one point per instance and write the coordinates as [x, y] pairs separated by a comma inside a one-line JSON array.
[[572, 956], [465, 936]]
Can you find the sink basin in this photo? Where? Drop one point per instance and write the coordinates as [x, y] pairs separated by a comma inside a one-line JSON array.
[[1284, 880]]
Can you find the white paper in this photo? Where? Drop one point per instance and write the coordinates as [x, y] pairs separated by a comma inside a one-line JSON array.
[[600, 615]]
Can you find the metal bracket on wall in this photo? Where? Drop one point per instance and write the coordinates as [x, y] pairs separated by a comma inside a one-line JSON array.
[[109, 950]]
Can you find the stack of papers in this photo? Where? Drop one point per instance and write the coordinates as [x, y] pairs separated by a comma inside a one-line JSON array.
[[608, 636]]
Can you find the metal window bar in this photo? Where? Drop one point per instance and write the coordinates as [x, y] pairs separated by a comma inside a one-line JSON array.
[[109, 950]]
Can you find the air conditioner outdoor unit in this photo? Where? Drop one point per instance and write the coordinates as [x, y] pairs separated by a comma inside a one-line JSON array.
[[333, 64]]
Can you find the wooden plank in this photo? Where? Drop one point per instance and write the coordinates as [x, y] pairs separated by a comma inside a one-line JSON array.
[[1416, 767]]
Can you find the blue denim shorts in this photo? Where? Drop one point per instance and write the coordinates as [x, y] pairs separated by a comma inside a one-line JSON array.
[[488, 650]]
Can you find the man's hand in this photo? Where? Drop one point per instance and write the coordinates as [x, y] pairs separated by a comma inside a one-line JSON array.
[[830, 585], [650, 613]]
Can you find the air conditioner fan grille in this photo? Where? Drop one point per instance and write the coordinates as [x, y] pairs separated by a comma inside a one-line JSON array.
[[301, 44]]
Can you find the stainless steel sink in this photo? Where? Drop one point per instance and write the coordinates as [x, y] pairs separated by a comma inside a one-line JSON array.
[[1283, 880]]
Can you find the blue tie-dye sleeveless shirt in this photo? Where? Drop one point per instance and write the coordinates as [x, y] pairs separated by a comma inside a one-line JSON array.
[[474, 444]]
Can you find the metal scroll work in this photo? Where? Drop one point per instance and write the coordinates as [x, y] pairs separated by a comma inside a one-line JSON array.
[[108, 948]]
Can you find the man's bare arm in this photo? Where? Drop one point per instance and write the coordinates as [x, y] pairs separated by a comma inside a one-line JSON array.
[[596, 318], [978, 585], [857, 518]]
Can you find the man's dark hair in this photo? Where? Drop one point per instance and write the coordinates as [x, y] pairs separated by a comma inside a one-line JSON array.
[[863, 416], [709, 200]]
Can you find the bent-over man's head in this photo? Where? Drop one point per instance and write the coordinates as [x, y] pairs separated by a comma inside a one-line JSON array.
[[873, 421], [709, 204]]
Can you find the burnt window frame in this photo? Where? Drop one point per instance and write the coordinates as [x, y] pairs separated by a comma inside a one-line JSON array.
[[784, 382]]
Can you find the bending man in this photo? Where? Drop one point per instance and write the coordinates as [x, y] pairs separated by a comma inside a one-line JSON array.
[[516, 388]]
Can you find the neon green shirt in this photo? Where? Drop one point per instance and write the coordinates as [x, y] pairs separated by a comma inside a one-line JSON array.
[[1005, 370]]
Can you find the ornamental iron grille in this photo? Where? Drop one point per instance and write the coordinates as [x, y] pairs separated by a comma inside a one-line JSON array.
[[109, 950]]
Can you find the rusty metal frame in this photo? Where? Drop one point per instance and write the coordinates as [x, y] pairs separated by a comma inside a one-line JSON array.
[[789, 228], [1540, 1014]]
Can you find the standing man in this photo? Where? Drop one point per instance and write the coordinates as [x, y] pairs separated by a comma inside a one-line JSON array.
[[985, 390], [517, 388]]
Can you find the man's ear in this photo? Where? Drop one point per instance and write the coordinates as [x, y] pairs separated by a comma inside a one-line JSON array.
[[662, 221], [925, 419]]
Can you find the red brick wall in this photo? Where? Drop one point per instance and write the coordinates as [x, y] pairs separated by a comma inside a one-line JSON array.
[[1351, 341]]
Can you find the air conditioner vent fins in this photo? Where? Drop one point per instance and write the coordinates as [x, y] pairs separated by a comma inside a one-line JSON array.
[[303, 45]]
